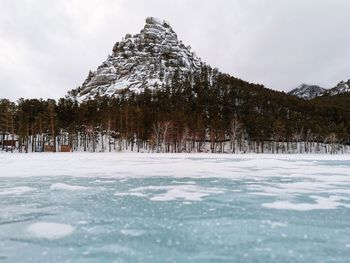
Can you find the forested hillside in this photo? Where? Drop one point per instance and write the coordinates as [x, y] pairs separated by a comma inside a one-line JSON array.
[[207, 111]]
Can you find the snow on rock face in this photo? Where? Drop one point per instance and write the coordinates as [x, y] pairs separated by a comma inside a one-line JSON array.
[[143, 60], [307, 92], [342, 88]]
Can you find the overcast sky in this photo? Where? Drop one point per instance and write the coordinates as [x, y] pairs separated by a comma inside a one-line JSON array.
[[48, 47]]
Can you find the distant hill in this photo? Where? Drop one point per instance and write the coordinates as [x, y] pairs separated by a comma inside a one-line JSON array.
[[309, 92]]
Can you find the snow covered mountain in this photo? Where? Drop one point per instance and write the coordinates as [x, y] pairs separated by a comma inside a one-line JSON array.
[[147, 59], [307, 92], [150, 59], [342, 88]]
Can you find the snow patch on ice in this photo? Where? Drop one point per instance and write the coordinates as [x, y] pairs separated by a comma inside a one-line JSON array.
[[174, 192], [49, 230], [131, 194], [62, 186], [105, 181], [304, 187], [274, 224], [187, 192], [132, 232], [321, 203], [16, 190]]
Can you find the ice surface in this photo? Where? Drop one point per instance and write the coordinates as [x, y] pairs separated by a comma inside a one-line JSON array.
[[62, 186], [132, 232], [49, 230], [174, 208], [16, 190], [331, 202]]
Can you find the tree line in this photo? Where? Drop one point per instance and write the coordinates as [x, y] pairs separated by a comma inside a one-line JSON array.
[[209, 111]]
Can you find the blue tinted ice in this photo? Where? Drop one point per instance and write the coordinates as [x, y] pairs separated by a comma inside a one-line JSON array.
[[252, 209]]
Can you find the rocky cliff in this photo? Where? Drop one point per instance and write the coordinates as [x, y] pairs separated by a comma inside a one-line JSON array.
[[147, 59]]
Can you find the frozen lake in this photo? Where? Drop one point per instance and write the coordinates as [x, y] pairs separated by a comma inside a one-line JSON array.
[[174, 208]]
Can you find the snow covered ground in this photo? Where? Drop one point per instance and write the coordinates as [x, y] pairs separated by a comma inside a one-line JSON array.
[[127, 165], [85, 207]]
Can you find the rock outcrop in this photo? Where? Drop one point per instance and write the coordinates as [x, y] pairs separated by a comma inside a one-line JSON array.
[[342, 88], [147, 59], [307, 92]]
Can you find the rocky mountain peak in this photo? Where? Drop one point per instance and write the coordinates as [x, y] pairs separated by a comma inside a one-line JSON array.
[[155, 24], [342, 88], [140, 61], [307, 92]]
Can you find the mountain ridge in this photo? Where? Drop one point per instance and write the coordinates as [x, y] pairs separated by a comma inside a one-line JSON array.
[[309, 92]]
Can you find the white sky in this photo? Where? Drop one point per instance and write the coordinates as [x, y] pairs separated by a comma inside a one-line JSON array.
[[48, 47]]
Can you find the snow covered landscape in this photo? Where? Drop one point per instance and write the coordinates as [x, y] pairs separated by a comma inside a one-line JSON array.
[[129, 207], [127, 138]]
